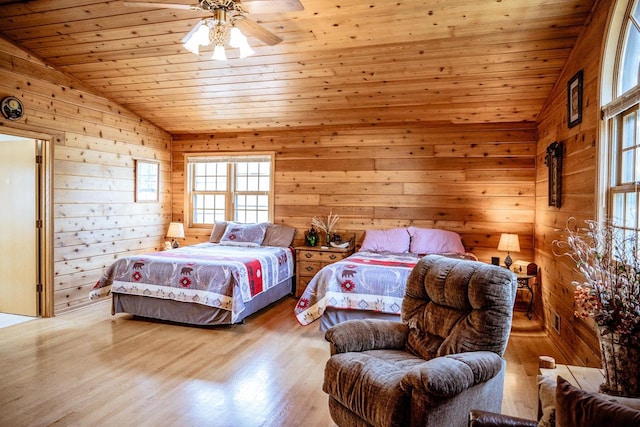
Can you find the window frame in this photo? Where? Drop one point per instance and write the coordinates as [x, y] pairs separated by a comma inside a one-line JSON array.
[[614, 112], [232, 158]]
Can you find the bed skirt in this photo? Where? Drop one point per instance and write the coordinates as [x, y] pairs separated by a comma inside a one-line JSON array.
[[333, 316], [195, 314]]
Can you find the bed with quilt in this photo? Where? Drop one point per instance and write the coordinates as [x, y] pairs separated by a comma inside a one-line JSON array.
[[244, 268], [371, 282]]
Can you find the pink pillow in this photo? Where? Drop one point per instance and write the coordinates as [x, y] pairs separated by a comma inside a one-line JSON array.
[[394, 240], [432, 241]]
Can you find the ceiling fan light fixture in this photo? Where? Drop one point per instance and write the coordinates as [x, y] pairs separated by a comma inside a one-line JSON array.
[[219, 30], [239, 41], [245, 49], [219, 54], [236, 37], [198, 36]]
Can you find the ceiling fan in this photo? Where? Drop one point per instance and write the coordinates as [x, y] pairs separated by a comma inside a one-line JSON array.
[[227, 17]]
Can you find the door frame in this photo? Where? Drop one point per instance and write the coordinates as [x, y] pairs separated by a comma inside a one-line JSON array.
[[45, 206]]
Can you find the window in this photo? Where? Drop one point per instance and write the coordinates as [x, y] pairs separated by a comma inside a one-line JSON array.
[[230, 188], [622, 167]]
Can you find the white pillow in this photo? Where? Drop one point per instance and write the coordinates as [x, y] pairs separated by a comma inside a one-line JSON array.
[[250, 235]]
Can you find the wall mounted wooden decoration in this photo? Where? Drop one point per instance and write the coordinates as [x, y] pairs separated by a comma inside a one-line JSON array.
[[574, 100], [553, 160]]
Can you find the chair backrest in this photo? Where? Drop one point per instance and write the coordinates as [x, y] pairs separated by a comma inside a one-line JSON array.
[[453, 306]]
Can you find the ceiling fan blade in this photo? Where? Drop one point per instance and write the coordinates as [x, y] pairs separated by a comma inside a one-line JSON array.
[[272, 6], [253, 29], [160, 5]]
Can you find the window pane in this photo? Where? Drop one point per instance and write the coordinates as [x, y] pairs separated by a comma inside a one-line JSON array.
[[210, 176], [630, 59], [208, 208], [629, 130], [263, 203], [636, 12], [617, 211], [615, 142], [631, 212], [252, 183], [627, 167], [241, 183], [252, 208], [208, 217]]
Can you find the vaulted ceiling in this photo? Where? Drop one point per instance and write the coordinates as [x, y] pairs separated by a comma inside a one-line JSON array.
[[341, 62]]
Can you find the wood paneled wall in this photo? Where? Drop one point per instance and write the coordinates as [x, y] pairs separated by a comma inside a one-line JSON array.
[[96, 141], [576, 337], [476, 180]]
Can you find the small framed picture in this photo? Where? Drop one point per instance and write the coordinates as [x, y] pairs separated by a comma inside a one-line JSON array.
[[147, 180], [574, 100]]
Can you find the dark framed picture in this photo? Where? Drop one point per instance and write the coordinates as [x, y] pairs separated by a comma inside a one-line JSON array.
[[553, 160], [147, 180], [574, 98]]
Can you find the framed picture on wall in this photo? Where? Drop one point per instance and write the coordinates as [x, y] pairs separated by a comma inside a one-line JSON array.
[[147, 180], [574, 100]]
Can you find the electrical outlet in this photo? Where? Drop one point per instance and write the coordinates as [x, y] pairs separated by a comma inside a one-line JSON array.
[[556, 323]]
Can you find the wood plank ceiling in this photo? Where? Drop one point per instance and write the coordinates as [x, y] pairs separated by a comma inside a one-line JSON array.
[[341, 62]]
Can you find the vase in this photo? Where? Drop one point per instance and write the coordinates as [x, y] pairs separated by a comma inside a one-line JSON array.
[[620, 357]]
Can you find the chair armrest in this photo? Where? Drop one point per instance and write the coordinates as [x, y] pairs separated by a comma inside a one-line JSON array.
[[490, 419], [450, 375], [366, 334]]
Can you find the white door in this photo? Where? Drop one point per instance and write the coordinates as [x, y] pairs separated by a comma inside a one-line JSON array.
[[18, 233]]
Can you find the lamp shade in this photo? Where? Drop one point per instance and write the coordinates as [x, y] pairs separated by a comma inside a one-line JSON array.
[[176, 230], [509, 243]]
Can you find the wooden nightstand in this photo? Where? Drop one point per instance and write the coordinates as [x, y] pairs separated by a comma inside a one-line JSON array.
[[588, 379], [310, 259]]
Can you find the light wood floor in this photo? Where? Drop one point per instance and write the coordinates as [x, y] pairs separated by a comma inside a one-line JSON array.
[[88, 368]]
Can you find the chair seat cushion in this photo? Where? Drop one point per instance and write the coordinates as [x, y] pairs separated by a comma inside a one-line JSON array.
[[368, 384]]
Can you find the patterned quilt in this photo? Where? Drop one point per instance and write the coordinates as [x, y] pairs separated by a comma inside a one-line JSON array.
[[210, 274], [364, 281]]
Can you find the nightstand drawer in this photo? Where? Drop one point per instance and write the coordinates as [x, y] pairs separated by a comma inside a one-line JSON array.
[[322, 256], [306, 268]]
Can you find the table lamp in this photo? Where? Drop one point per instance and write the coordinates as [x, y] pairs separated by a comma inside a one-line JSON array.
[[175, 231], [509, 243]]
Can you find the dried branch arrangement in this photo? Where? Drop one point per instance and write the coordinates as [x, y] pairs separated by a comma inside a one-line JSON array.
[[328, 226]]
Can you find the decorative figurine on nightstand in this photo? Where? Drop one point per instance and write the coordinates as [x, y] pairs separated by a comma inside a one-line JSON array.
[[311, 237]]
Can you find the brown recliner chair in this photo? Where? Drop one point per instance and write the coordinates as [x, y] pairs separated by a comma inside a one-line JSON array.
[[443, 360]]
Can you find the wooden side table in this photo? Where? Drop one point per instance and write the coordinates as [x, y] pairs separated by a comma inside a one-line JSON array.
[[525, 281], [587, 379], [310, 259]]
